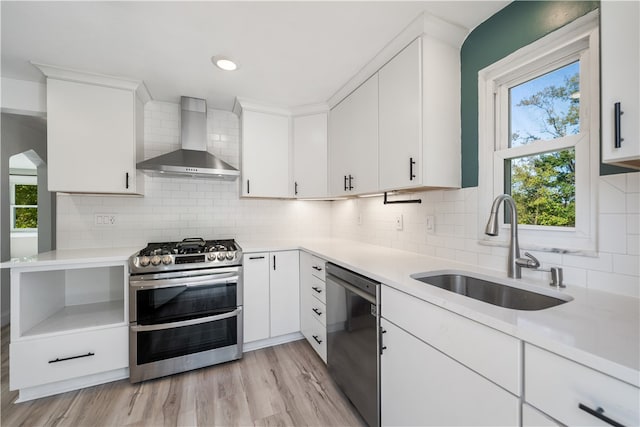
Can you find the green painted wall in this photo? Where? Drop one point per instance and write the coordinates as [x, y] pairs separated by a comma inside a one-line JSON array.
[[515, 26]]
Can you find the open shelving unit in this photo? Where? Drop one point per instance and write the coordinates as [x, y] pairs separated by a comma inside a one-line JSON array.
[[68, 298]]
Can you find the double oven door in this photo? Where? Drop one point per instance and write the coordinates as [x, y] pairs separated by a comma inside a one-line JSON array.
[[184, 320]]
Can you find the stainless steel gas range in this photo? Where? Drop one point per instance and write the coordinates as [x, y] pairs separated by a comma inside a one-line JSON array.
[[185, 306]]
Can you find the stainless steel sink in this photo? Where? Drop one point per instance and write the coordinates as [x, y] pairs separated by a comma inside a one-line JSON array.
[[485, 289]]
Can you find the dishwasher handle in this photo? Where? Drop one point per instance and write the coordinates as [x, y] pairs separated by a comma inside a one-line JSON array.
[[348, 286]]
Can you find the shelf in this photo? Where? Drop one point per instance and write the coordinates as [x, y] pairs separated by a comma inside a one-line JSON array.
[[82, 316]]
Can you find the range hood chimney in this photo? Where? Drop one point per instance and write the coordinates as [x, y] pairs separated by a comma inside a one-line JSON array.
[[192, 159]]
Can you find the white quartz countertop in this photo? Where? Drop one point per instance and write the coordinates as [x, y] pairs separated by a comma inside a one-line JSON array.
[[72, 256], [598, 329]]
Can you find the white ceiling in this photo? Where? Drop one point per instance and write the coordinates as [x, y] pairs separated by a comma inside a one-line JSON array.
[[290, 53]]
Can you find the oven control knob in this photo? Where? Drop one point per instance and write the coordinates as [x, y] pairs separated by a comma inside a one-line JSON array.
[[230, 255], [220, 256], [144, 261], [212, 256], [155, 260], [166, 260]]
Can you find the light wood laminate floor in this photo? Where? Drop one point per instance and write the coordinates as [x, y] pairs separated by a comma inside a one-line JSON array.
[[286, 385]]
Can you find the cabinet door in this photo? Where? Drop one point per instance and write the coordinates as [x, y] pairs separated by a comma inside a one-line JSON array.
[[284, 271], [265, 155], [256, 296], [531, 417], [310, 155], [400, 109], [422, 386], [91, 143], [353, 143], [620, 62]]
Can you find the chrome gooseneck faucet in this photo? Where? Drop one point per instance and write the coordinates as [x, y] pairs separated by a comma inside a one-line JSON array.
[[515, 263]]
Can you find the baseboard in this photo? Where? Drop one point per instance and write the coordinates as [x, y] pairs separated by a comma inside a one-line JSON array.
[[36, 392], [270, 342]]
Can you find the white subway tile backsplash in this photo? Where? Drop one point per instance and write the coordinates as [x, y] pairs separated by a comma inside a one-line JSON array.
[[174, 208]]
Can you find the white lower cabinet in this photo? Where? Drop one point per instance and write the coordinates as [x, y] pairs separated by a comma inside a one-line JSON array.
[[423, 386], [313, 323], [271, 300], [531, 417], [439, 368], [60, 358], [69, 327], [567, 391]]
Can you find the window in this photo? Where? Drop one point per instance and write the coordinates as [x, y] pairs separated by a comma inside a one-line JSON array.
[[24, 202], [539, 138]]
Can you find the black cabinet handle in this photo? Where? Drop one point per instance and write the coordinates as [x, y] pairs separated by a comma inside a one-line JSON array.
[[248, 188], [71, 358], [599, 413], [411, 163], [316, 311], [295, 189], [350, 185], [126, 178], [345, 183], [315, 337], [274, 262], [617, 112], [318, 290], [256, 257], [315, 267], [382, 346]]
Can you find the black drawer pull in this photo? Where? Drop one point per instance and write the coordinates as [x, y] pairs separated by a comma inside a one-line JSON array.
[[71, 358], [599, 413], [256, 257], [315, 337], [317, 289], [316, 311], [315, 267]]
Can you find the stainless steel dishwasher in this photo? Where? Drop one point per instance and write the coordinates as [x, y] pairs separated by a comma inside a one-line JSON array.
[[352, 339]]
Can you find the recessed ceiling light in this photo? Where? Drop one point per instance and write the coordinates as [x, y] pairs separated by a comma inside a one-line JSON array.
[[224, 63]]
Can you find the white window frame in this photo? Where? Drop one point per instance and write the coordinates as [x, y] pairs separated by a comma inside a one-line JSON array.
[[18, 180], [575, 41]]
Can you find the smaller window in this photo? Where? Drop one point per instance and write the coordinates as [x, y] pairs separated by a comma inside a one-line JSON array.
[[24, 203]]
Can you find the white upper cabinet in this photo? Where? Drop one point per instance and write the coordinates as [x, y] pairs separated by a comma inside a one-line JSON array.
[[620, 63], [420, 117], [353, 142], [95, 133], [400, 119], [310, 155], [265, 152]]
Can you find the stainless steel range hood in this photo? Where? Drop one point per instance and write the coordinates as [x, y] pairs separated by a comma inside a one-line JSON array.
[[192, 159]]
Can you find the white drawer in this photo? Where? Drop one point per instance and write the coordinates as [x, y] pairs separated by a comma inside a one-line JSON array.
[[318, 267], [42, 361], [319, 311], [318, 339], [557, 386], [318, 289], [487, 351]]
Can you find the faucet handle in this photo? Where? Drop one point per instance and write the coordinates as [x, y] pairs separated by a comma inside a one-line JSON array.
[[532, 262]]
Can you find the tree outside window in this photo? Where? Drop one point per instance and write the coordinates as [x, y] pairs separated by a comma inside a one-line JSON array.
[[24, 204]]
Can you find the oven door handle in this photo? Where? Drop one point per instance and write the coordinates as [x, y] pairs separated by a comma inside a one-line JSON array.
[[190, 322], [210, 279]]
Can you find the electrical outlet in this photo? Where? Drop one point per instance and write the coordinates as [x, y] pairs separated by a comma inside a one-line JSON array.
[[399, 222], [102, 220], [431, 224]]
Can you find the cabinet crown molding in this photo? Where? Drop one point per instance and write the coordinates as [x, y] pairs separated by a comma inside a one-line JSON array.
[[80, 76], [424, 25], [249, 104]]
